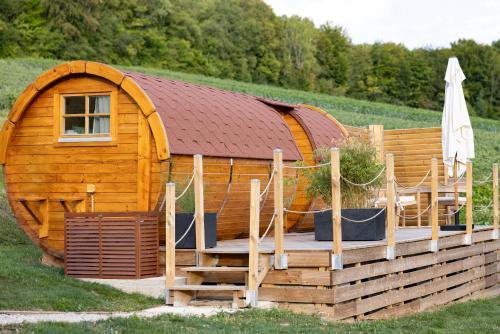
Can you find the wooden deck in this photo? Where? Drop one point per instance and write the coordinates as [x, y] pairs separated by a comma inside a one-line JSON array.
[[369, 286], [306, 242]]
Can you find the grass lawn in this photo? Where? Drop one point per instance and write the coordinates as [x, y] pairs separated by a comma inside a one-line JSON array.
[[471, 317], [26, 284]]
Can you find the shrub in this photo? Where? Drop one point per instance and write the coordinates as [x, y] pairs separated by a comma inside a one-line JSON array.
[[358, 163], [186, 203]]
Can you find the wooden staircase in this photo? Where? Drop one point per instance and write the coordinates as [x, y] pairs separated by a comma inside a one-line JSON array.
[[208, 275], [196, 281]]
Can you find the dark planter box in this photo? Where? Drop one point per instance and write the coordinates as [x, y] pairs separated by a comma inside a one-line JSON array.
[[371, 230], [182, 221], [454, 227]]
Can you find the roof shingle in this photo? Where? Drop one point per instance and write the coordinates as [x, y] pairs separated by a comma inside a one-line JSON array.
[[214, 122], [320, 130]]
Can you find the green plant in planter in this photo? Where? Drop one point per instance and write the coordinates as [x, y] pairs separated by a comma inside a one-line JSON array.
[[358, 163], [186, 203]]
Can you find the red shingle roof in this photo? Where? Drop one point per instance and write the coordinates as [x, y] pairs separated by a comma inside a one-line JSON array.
[[320, 130], [214, 122]]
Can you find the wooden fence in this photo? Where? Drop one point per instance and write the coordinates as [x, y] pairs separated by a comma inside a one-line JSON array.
[[111, 245], [371, 287]]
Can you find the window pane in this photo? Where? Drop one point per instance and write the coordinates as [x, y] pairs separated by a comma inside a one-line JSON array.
[[98, 124], [99, 104], [74, 104], [74, 125]]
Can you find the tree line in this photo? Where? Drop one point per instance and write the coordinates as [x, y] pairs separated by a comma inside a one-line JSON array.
[[245, 40]]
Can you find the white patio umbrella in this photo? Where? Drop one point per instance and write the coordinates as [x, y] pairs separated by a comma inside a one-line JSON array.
[[457, 137]]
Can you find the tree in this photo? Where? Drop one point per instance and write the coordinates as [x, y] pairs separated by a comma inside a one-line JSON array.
[[300, 66], [245, 40], [332, 55]]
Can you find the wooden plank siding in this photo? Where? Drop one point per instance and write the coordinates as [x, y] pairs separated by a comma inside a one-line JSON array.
[[413, 150], [37, 165], [233, 219], [370, 286], [293, 221]]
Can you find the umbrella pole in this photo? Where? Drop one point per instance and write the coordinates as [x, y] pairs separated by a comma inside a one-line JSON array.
[[455, 186]]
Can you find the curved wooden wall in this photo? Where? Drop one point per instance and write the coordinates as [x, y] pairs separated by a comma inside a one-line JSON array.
[[300, 201], [129, 173], [88, 68], [35, 166]]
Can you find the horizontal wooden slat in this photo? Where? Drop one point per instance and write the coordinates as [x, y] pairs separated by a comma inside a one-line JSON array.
[[105, 244]]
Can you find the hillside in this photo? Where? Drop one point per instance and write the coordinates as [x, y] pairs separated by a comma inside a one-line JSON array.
[[16, 74]]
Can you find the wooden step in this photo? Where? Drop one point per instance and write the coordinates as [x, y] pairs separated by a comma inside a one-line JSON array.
[[215, 269], [228, 287]]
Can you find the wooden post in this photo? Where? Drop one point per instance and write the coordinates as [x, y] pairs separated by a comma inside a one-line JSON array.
[[337, 262], [434, 206], [391, 207], [496, 216], [377, 140], [169, 239], [199, 204], [253, 239], [280, 258], [468, 216], [419, 218]]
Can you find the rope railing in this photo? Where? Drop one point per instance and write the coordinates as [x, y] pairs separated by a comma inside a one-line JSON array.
[[228, 189], [484, 207], [457, 181], [486, 180], [307, 167], [364, 220], [366, 183], [186, 188], [306, 212], [268, 228], [268, 186], [265, 192], [187, 230], [415, 186], [454, 212], [239, 174], [294, 192]]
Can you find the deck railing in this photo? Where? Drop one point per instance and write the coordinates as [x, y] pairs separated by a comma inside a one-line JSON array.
[[280, 256]]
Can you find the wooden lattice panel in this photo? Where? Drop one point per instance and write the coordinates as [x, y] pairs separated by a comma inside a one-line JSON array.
[[111, 245], [413, 150]]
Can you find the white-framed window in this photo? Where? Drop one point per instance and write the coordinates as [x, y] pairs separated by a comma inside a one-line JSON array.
[[86, 115]]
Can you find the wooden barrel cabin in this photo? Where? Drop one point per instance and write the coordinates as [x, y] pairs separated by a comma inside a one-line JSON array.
[[85, 136]]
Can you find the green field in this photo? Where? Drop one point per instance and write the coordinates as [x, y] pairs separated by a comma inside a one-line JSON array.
[[27, 285], [16, 74]]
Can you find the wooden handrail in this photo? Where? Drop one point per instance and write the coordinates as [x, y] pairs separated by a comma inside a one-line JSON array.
[[469, 207], [336, 209], [253, 239], [390, 209], [199, 203], [169, 239], [280, 260], [434, 206]]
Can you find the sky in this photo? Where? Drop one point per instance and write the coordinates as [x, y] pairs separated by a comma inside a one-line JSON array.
[[415, 23]]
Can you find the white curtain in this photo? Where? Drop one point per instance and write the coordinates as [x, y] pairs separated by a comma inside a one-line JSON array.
[[101, 124]]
